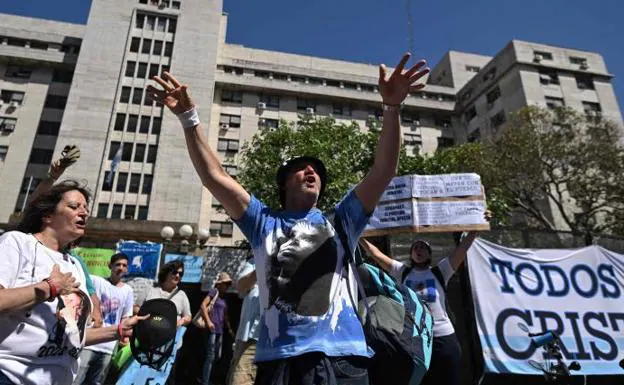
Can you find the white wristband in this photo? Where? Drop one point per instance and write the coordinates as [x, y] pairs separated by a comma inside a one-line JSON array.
[[189, 119]]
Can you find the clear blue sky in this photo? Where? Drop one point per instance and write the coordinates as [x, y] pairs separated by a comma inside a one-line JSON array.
[[374, 31]]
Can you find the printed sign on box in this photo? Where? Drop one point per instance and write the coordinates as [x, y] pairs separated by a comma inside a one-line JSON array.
[[432, 186]]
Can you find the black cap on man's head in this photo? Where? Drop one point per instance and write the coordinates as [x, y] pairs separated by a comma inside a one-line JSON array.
[[291, 164]]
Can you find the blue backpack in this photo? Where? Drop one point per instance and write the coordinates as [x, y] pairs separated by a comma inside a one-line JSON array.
[[397, 325]]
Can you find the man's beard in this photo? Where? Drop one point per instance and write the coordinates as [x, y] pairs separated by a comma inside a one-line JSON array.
[[422, 265]]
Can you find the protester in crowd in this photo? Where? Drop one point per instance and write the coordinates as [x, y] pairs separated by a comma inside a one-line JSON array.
[[69, 156], [116, 299], [44, 308], [242, 369], [214, 311], [430, 285], [169, 278], [309, 327]]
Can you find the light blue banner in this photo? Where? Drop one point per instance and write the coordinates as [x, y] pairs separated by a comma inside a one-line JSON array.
[[193, 266], [137, 374], [144, 258]]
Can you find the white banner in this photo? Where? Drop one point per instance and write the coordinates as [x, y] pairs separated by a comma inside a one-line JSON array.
[[432, 186], [577, 293]]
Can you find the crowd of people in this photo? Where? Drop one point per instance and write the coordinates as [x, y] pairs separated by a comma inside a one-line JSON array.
[[297, 324]]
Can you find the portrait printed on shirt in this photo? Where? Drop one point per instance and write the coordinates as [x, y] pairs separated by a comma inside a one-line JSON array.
[[66, 335], [301, 269]]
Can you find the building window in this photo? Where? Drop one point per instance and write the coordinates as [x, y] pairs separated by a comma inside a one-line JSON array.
[[232, 96], [592, 109], [232, 121], [409, 118], [142, 71], [48, 128], [161, 25], [139, 153], [55, 101], [304, 104], [231, 169], [584, 82], [142, 213], [126, 152], [140, 19], [135, 183], [342, 109], [3, 152], [498, 119], [471, 113], [122, 179], [542, 55], [223, 229], [262, 74], [172, 25], [112, 151], [156, 124], [151, 153], [158, 47], [268, 123], [20, 72], [102, 211], [271, 101], [168, 49], [554, 103], [16, 42], [474, 69], [8, 124], [132, 123], [153, 70], [130, 67], [116, 214], [490, 74], [124, 97], [578, 60], [137, 95], [147, 184], [412, 139], [134, 44], [62, 76], [442, 121], [145, 123], [41, 156], [444, 142], [493, 95], [12, 97], [227, 145], [548, 77], [106, 185], [129, 212], [147, 46], [120, 122], [150, 21]]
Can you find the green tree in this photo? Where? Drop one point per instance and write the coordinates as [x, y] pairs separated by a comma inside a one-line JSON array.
[[346, 150], [563, 163]]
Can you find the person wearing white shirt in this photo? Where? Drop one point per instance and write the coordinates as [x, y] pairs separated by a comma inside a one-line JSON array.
[[116, 299], [44, 307]]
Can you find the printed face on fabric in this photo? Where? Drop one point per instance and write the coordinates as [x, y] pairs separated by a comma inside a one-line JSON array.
[[67, 333], [301, 269]]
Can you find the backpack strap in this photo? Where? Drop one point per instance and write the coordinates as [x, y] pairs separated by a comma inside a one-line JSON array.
[[405, 273], [349, 262], [437, 273]]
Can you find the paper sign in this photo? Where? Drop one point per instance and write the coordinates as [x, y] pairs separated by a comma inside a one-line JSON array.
[[392, 214], [450, 213], [447, 185], [399, 188]]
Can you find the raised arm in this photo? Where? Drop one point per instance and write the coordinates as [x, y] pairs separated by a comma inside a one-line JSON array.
[[380, 258], [393, 90], [69, 156], [246, 282], [228, 191], [459, 255]]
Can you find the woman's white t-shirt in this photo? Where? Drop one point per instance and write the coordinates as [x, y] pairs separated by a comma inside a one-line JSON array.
[[40, 346], [429, 290]]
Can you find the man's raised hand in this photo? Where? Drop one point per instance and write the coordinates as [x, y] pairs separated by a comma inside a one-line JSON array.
[[395, 88], [174, 95]]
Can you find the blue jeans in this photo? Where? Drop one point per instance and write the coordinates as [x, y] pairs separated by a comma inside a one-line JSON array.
[[93, 368], [213, 353], [4, 380]]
